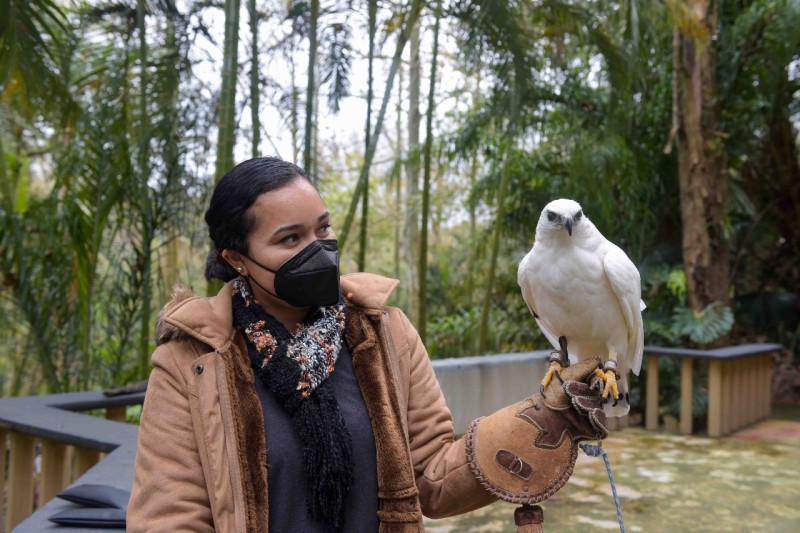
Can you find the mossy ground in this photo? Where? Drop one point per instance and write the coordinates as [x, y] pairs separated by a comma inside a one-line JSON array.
[[666, 482]]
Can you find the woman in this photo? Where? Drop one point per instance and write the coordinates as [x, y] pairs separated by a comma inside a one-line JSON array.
[[294, 400]]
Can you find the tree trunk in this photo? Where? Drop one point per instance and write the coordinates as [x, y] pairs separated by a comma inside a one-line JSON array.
[[172, 155], [411, 19], [472, 257], [227, 97], [472, 253], [310, 87], [144, 197], [398, 173], [501, 213], [227, 103], [362, 249], [254, 85], [411, 231], [426, 184], [5, 183], [294, 121], [701, 162]]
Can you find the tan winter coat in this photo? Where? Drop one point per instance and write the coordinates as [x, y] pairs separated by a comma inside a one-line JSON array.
[[201, 461]]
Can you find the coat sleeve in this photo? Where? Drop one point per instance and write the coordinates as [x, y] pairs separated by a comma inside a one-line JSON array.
[[169, 491], [446, 484]]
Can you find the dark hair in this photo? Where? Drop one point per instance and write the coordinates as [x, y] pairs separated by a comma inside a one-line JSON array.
[[228, 218]]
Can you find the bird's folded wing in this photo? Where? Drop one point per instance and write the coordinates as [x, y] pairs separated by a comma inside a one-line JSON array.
[[524, 279], [625, 282]]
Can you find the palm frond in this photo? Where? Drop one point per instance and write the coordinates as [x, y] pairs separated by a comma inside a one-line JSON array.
[[337, 63]]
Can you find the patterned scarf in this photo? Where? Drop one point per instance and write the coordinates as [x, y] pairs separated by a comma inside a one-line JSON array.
[[295, 369]]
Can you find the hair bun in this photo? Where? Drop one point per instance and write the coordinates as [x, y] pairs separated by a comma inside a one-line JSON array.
[[218, 268]]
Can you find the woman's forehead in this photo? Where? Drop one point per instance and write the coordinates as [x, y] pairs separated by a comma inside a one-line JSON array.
[[296, 203]]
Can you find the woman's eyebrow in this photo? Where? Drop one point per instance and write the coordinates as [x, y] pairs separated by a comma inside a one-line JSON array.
[[290, 227], [294, 227]]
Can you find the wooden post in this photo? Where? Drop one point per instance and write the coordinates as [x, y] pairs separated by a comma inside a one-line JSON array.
[[734, 398], [54, 470], [715, 398], [738, 399], [750, 400], [116, 413], [651, 412], [20, 480], [84, 460], [727, 398], [686, 395], [69, 468], [3, 434], [767, 384]]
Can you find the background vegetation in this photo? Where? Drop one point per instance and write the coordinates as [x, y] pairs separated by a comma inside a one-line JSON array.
[[674, 123]]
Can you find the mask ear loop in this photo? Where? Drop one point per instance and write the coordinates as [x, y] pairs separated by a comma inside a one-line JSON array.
[[250, 278]]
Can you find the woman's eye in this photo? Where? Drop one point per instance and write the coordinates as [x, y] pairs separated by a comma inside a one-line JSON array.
[[290, 239], [325, 227]]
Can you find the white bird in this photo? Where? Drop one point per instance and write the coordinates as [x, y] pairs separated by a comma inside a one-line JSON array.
[[585, 294]]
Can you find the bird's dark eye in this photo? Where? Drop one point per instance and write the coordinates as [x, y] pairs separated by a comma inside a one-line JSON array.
[[551, 216], [578, 215]]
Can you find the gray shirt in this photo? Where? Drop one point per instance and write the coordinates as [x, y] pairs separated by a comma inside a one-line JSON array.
[[287, 488]]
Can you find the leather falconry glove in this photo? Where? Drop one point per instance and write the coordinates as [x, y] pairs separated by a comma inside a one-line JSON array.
[[525, 452]]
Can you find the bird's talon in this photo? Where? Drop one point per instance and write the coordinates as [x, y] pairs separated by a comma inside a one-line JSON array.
[[555, 367], [611, 384]]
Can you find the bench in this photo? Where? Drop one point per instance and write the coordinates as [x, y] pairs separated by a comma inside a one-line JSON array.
[[739, 385]]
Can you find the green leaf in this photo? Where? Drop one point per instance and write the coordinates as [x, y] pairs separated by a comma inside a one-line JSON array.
[[23, 192], [297, 9], [712, 323], [676, 283]]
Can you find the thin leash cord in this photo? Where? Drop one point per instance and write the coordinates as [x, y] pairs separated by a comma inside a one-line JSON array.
[[595, 450]]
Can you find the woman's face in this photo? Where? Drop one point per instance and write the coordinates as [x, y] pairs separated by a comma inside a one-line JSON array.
[[286, 221]]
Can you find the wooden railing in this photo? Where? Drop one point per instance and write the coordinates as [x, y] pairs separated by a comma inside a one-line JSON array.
[[69, 445]]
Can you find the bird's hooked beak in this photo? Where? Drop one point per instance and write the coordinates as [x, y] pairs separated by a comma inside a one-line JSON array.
[[568, 225]]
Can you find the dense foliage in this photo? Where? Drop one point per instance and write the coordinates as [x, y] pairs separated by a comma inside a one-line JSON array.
[[111, 128]]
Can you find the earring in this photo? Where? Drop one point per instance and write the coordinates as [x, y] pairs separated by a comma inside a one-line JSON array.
[[239, 269]]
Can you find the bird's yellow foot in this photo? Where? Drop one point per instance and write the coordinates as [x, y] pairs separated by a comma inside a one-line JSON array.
[[609, 375], [559, 360], [555, 368]]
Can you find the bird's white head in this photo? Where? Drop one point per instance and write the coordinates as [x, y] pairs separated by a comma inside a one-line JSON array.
[[559, 216]]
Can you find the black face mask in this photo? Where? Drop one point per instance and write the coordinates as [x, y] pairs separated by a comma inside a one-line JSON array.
[[310, 278]]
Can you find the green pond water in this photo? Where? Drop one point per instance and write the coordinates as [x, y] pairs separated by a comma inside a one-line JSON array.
[[671, 483]]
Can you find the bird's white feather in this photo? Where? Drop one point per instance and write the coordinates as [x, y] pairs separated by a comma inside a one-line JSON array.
[[626, 284]]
